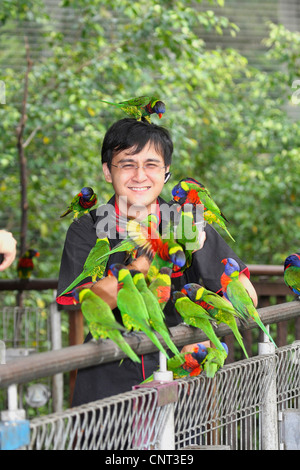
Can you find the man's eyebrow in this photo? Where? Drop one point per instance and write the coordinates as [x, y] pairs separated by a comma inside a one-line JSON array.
[[129, 159]]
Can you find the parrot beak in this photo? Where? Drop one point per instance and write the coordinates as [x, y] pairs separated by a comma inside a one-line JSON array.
[[37, 254], [160, 115], [224, 261], [183, 290]]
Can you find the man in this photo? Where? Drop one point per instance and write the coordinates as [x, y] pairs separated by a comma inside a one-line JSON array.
[[136, 158]]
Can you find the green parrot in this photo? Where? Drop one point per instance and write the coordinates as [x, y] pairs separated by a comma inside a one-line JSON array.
[[156, 265], [82, 203], [101, 321], [217, 307], [92, 268], [141, 108], [187, 364], [194, 315], [187, 233], [132, 306], [214, 359], [236, 293], [161, 286], [156, 316], [291, 274], [189, 190]]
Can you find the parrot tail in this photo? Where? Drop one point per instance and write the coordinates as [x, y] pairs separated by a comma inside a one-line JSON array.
[[123, 345]]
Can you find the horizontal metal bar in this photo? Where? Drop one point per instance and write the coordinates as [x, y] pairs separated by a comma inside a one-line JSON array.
[[77, 357]]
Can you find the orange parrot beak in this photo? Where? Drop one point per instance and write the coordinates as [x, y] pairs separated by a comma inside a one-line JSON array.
[[160, 115], [224, 261]]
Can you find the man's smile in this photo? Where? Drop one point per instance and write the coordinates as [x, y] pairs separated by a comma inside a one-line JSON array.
[[139, 189]]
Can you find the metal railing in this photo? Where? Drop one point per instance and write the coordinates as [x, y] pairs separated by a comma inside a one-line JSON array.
[[228, 412], [232, 410]]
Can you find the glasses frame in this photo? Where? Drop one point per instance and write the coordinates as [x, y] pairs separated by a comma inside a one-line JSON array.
[[135, 167]]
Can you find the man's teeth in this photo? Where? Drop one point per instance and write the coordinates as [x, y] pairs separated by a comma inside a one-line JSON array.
[[140, 189]]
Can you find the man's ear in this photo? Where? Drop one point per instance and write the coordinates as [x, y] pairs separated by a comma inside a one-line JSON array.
[[106, 172]]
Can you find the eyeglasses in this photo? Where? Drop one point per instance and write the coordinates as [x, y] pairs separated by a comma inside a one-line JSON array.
[[149, 167]]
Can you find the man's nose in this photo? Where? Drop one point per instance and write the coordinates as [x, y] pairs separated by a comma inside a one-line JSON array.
[[140, 174]]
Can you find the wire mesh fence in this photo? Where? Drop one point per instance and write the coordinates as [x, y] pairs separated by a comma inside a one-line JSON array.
[[225, 411]]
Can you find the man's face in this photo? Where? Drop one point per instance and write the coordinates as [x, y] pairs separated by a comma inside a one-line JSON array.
[[136, 187]]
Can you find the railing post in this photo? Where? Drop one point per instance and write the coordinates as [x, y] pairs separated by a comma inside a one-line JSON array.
[[167, 390], [269, 423], [14, 428], [167, 437], [58, 379]]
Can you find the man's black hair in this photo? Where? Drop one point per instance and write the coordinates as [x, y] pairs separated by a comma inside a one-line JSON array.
[[130, 133]]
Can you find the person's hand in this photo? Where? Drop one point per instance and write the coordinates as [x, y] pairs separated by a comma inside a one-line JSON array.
[[202, 238], [7, 248]]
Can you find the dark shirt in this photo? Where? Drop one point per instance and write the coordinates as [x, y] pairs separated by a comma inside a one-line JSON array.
[[98, 382]]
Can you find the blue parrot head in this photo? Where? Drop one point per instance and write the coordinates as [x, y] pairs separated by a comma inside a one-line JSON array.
[[86, 193], [192, 289], [32, 253], [177, 257], [75, 294], [200, 353], [114, 269], [177, 295], [178, 192], [292, 260], [231, 266], [159, 108]]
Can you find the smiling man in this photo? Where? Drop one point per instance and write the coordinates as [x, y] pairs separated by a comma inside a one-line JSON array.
[[136, 158]]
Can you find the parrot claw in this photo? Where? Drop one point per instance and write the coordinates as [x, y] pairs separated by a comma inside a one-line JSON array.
[[136, 334]]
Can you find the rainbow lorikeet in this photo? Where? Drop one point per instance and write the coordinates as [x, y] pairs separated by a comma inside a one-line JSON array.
[[25, 264], [101, 321], [150, 239], [217, 307], [132, 306], [196, 316], [141, 108], [145, 236], [190, 191], [92, 268], [187, 233], [82, 203], [214, 359], [237, 294], [291, 273], [155, 313], [161, 286], [187, 364]]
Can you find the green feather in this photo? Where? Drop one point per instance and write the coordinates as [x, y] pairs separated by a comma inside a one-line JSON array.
[[242, 302], [156, 316], [194, 315], [133, 309], [222, 312], [102, 323], [93, 266]]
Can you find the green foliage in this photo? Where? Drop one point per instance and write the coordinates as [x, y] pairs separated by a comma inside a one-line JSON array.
[[228, 121]]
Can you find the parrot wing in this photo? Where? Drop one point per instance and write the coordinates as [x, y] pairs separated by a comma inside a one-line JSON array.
[[240, 299]]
